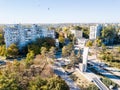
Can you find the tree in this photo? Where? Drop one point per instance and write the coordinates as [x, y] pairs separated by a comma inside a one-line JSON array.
[[57, 83], [16, 65], [37, 84], [34, 48], [52, 52], [77, 28], [86, 32], [119, 49], [108, 34], [12, 50], [70, 47], [61, 39], [43, 51], [65, 51], [79, 56], [89, 43], [3, 50], [29, 59], [104, 48], [9, 81], [1, 39], [73, 59], [98, 42]]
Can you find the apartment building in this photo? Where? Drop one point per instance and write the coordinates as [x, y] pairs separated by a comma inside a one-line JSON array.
[[22, 35], [95, 32]]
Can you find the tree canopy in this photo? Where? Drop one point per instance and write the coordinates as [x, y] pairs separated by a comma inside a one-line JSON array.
[[12, 50]]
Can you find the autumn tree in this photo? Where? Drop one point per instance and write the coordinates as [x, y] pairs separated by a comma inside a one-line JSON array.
[[65, 51], [29, 58], [3, 50], [79, 56], [73, 59], [89, 43], [52, 52], [98, 42], [61, 39], [12, 50], [43, 51]]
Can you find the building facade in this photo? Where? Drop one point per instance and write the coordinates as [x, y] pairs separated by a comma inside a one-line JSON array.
[[77, 33], [95, 32], [21, 35]]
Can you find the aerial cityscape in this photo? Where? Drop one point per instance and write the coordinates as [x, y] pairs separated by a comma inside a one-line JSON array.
[[59, 45]]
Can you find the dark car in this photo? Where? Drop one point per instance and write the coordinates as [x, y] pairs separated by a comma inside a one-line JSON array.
[[2, 63]]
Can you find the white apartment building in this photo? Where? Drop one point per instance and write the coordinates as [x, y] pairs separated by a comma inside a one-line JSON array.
[[22, 35], [77, 33], [95, 31]]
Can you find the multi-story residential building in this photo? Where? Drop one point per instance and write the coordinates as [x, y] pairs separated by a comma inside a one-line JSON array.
[[21, 35], [77, 33], [95, 31]]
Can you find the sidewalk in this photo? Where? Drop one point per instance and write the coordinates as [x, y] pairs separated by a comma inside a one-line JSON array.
[[60, 72]]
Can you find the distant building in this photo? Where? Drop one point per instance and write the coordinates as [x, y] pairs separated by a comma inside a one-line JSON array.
[[95, 31], [23, 35], [81, 42], [77, 33]]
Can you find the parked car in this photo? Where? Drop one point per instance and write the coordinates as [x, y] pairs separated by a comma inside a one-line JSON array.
[[2, 63]]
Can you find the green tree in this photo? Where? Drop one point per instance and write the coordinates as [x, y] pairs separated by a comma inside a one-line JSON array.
[[9, 81], [34, 48], [37, 84], [29, 59], [77, 27], [57, 83], [1, 39], [12, 50], [108, 33], [86, 32]]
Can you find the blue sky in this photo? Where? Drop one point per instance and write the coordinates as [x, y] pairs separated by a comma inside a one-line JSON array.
[[59, 11]]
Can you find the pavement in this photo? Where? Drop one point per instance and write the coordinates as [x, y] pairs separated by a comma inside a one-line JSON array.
[[60, 72], [107, 73], [93, 78]]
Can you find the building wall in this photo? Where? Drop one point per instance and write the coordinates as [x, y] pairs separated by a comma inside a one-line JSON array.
[[77, 33], [94, 31], [22, 35]]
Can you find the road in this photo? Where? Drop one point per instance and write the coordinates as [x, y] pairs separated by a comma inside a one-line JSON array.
[[100, 84], [60, 72], [93, 78], [105, 72]]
